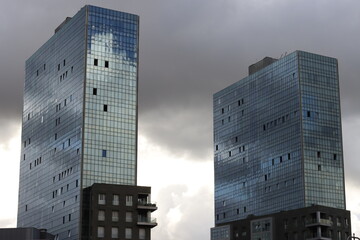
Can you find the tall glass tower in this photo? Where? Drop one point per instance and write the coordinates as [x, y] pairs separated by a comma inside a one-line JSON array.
[[278, 139], [79, 117]]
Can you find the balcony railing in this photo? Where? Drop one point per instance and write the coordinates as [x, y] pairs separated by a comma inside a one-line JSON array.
[[146, 221], [143, 204], [314, 221]]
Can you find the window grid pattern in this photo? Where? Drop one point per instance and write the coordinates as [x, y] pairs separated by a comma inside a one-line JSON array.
[[111, 114], [260, 125]]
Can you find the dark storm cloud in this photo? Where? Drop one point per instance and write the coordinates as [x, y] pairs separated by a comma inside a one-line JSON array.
[[189, 50]]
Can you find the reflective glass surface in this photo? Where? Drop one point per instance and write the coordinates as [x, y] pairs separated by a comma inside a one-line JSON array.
[[265, 156], [79, 120]]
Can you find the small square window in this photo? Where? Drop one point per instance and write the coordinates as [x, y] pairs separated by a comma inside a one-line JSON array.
[[107, 64], [94, 91], [101, 215], [101, 199], [142, 233], [128, 233], [104, 153], [100, 232], [129, 200], [114, 232], [115, 216], [95, 62], [128, 217], [115, 200]]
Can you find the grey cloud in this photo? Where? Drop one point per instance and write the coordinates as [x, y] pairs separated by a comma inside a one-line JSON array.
[[8, 223], [191, 49], [195, 211]]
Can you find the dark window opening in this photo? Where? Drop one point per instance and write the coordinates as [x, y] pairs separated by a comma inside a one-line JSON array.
[[217, 147], [95, 62], [63, 220], [224, 215], [273, 162], [37, 72], [319, 167], [64, 62], [308, 113], [72, 69], [244, 209], [44, 66], [26, 207], [239, 102], [77, 151], [24, 157], [77, 183], [266, 177], [335, 157], [230, 154], [217, 216], [237, 211], [105, 108], [65, 102], [236, 139], [222, 110], [318, 154], [289, 156], [69, 217], [104, 153], [264, 127], [94, 91], [58, 67], [280, 159], [107, 64]]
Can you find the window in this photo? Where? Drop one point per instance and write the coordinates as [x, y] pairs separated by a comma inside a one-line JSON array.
[[308, 113], [129, 200], [289, 156], [244, 209], [114, 232], [107, 64], [63, 219], [101, 199], [69, 217], [115, 200], [128, 217], [217, 147], [64, 62], [95, 62], [37, 72], [319, 167], [229, 153], [238, 211], [26, 208], [69, 233], [335, 157], [58, 67], [115, 216], [105, 107], [142, 233], [318, 154], [94, 91], [128, 233], [101, 215], [103, 153], [100, 232]]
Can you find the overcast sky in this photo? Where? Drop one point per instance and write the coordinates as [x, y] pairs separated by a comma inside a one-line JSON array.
[[189, 49]]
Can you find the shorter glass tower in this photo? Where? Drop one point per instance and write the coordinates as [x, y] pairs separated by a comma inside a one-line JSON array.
[[278, 139]]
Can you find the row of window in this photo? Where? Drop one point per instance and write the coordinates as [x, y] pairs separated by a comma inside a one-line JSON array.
[[61, 190], [239, 103], [115, 199], [63, 174], [36, 162], [279, 120], [96, 63], [224, 214], [115, 233]]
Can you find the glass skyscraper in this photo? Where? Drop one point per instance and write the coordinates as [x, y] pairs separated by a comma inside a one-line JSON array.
[[79, 117], [278, 139]]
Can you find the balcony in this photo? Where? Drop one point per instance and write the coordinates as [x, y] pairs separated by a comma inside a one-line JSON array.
[[146, 221], [143, 204], [321, 222]]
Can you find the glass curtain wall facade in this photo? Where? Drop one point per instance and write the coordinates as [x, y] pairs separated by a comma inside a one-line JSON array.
[[79, 117], [278, 140]]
